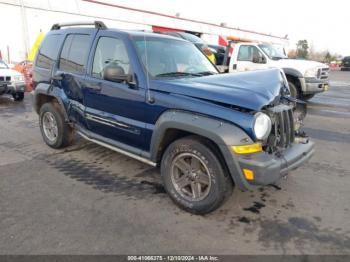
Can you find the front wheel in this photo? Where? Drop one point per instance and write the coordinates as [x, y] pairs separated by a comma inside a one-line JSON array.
[[19, 96], [307, 97], [193, 176], [294, 92]]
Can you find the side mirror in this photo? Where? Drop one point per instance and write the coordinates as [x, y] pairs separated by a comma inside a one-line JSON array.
[[259, 59], [114, 73], [262, 60]]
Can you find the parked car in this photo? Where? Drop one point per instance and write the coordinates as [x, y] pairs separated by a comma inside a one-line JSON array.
[[158, 99], [306, 78], [11, 82], [25, 68], [345, 64]]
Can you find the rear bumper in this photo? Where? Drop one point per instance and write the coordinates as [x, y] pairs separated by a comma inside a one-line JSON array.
[[269, 168]]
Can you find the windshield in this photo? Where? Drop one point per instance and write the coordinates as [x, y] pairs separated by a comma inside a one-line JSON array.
[[192, 38], [172, 58], [3, 65], [272, 51]]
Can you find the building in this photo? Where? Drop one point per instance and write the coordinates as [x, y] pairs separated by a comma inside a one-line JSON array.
[[22, 20]]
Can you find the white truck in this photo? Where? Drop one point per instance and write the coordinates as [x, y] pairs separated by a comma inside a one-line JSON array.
[[305, 78]]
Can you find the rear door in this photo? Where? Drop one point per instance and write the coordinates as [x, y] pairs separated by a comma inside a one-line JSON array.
[[114, 110], [72, 67]]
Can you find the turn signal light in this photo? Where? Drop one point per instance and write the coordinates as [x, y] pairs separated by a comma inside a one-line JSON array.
[[249, 174], [247, 149]]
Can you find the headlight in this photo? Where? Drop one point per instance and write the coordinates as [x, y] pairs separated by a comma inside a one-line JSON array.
[[262, 126], [312, 72], [19, 78]]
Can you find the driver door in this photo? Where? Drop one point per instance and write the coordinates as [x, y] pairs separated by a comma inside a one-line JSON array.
[[250, 58], [113, 108]]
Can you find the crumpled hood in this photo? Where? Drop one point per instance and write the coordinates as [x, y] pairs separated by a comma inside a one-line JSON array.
[[250, 90]]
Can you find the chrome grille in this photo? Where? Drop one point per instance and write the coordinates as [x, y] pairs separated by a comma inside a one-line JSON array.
[[282, 132], [324, 73]]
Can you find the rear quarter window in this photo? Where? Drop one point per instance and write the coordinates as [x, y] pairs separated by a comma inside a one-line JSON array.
[[48, 51]]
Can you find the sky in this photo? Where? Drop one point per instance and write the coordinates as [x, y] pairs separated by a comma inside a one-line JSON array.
[[325, 24]]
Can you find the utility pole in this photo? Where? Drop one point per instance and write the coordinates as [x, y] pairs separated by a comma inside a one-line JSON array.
[[8, 55], [25, 29]]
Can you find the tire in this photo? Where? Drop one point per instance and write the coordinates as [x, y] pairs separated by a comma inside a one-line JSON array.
[[64, 133], [19, 96], [293, 90], [217, 185], [307, 97]]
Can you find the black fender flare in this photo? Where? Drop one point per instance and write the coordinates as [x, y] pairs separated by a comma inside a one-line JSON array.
[[222, 133], [50, 91]]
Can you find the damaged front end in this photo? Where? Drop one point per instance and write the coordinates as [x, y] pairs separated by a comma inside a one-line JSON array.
[[287, 117], [285, 148]]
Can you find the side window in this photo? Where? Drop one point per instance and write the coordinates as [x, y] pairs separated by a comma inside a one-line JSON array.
[[75, 53], [48, 51], [110, 51], [243, 53], [248, 53]]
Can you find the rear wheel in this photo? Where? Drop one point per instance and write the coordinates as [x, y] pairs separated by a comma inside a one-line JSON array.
[[19, 96], [193, 176], [54, 130]]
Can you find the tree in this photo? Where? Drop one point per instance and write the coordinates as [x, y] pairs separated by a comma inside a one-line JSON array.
[[302, 49], [329, 57]]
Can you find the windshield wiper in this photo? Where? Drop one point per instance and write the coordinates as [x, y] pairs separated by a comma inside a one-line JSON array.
[[177, 74], [206, 73], [277, 58]]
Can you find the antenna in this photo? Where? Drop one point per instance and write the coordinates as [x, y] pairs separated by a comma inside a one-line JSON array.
[[150, 99]]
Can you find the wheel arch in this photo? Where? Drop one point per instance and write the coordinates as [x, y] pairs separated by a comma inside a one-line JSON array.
[[174, 124], [45, 93]]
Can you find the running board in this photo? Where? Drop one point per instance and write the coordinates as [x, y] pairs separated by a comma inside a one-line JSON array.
[[116, 149]]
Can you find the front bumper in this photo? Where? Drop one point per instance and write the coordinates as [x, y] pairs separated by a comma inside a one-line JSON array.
[[12, 88], [313, 85], [269, 168]]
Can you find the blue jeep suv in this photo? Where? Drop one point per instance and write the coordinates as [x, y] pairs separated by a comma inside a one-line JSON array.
[[158, 99]]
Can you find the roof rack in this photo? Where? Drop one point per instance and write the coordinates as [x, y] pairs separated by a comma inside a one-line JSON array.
[[97, 24]]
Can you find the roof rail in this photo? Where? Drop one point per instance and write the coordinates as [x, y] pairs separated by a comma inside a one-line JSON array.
[[97, 24]]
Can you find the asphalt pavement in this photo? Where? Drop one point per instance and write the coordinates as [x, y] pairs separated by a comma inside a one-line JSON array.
[[87, 199]]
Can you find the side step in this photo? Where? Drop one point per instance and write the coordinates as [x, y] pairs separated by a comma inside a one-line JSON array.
[[137, 157]]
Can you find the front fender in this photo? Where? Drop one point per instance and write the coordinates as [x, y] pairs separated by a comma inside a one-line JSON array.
[[293, 72], [222, 133]]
